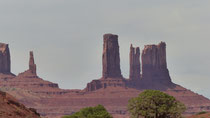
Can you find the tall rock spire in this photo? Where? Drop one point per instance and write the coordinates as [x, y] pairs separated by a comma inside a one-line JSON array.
[[111, 57], [5, 66], [111, 74], [154, 65], [31, 72], [135, 68], [32, 65]]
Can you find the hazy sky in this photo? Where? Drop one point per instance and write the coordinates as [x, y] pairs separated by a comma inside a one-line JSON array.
[[67, 35]]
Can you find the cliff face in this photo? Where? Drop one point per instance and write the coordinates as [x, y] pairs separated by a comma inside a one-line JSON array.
[[111, 57], [154, 56], [94, 85], [135, 67], [154, 66], [4, 58]]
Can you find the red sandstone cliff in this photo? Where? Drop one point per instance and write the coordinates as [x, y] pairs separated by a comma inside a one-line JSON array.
[[4, 58], [32, 65], [154, 65], [111, 57], [31, 72], [135, 67], [111, 74]]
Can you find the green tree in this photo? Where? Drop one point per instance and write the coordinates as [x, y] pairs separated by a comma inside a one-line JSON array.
[[91, 112], [155, 104]]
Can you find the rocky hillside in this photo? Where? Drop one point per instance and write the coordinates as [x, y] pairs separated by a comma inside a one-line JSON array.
[[10, 108]]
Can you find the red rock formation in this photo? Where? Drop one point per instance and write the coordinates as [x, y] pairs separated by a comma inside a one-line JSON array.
[[32, 65], [4, 58], [30, 81], [134, 63], [11, 108], [113, 93], [154, 66], [94, 85], [31, 72], [111, 74], [104, 83], [111, 57]]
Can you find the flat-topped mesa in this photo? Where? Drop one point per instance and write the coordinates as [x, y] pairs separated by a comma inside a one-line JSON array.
[[135, 68], [5, 66], [111, 57], [32, 65], [154, 66]]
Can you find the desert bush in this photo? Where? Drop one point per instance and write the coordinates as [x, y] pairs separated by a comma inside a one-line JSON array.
[[202, 112], [91, 112]]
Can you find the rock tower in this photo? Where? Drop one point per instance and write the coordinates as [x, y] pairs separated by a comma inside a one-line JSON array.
[[31, 72], [154, 66], [32, 65], [5, 66], [135, 67], [111, 57]]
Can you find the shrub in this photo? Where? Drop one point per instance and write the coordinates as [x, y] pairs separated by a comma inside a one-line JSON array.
[[202, 112], [91, 112]]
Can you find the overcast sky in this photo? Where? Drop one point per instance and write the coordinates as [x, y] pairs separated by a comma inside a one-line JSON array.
[[67, 35]]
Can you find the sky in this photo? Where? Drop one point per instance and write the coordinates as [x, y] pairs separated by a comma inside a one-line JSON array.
[[67, 37]]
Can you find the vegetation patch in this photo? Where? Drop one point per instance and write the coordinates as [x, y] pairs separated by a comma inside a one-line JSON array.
[[155, 104], [91, 112]]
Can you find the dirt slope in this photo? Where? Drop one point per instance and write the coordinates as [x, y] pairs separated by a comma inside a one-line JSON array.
[[10, 108]]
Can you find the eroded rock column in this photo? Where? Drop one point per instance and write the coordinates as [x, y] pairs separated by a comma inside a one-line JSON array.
[[154, 65], [32, 65], [134, 63], [111, 57], [5, 66]]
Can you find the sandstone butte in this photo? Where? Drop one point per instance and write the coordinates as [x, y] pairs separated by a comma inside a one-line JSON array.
[[111, 90]]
